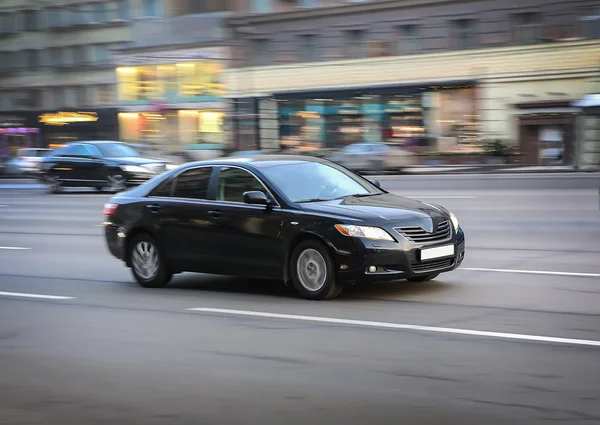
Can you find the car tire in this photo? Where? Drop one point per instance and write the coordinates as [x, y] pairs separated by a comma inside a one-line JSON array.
[[117, 183], [423, 278], [313, 271], [147, 263]]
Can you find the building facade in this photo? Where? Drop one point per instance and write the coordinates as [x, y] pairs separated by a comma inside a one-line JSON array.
[[57, 81], [170, 89], [438, 75]]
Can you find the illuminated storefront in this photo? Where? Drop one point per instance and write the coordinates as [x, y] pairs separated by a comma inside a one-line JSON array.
[[419, 118], [177, 103]]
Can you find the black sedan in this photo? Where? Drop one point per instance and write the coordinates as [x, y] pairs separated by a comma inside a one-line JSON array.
[[99, 164], [306, 221]]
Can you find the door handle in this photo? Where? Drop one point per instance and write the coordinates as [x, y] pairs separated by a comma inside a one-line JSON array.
[[215, 214], [153, 207]]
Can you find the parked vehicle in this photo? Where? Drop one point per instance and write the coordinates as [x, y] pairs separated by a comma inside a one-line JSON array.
[[373, 157], [307, 221], [99, 164]]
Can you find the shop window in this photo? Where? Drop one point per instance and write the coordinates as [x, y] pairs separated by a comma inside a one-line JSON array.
[[32, 59], [197, 79], [308, 48], [409, 39], [78, 15], [58, 95], [378, 48], [527, 28], [355, 44], [31, 20], [590, 25], [309, 3], [262, 6], [259, 52], [204, 6], [81, 94], [105, 94], [152, 8], [80, 54], [99, 12], [101, 54], [123, 10], [465, 36], [56, 56]]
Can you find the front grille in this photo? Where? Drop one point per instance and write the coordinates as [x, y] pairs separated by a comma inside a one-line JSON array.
[[433, 265], [421, 236]]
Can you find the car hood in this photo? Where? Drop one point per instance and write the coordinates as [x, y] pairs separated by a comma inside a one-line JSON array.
[[385, 208], [136, 160]]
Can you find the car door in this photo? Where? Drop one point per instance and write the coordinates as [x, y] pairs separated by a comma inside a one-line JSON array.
[[248, 238], [93, 166], [181, 214], [79, 166], [62, 164]]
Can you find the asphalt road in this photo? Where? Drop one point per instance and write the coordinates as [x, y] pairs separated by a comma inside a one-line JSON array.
[[513, 337]]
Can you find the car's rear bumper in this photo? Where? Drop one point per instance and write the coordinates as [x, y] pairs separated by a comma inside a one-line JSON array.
[[115, 240], [396, 262]]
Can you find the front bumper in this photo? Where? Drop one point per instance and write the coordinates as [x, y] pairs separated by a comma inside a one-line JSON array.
[[395, 261]]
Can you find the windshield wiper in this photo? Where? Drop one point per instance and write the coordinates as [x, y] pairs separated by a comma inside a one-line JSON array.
[[313, 200], [358, 195]]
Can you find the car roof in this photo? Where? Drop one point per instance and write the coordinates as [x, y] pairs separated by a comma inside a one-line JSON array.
[[98, 142], [261, 161]]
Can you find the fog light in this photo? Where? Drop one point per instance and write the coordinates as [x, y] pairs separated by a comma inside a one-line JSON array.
[[372, 269]]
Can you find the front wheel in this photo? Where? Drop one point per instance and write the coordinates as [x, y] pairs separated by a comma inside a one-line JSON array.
[[423, 278], [53, 183], [117, 183], [313, 271], [147, 264]]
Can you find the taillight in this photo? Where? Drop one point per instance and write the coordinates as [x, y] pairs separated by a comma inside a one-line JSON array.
[[110, 209]]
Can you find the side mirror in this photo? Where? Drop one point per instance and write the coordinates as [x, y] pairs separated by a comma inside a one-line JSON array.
[[376, 183], [256, 197]]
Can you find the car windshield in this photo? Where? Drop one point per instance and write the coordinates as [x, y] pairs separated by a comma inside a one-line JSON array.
[[315, 181], [117, 150]]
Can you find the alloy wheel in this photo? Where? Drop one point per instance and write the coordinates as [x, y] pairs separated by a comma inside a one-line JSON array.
[[312, 270], [145, 260], [117, 183]]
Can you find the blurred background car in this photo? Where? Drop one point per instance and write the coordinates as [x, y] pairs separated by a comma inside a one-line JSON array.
[[100, 164], [26, 163], [373, 157]]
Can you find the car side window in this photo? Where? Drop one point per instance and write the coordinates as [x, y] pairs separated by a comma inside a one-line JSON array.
[[193, 183], [78, 150], [233, 182], [93, 151]]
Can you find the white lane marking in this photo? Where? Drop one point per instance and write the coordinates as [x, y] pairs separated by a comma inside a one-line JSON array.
[[540, 272], [365, 323], [14, 248], [37, 296], [3, 206]]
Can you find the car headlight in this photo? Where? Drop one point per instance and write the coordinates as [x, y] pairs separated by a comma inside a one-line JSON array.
[[454, 221], [170, 167], [136, 169], [366, 232]]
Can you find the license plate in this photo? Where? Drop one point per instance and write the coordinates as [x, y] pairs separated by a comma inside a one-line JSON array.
[[437, 252]]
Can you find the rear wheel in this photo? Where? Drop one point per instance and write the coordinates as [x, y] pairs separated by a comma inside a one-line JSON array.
[[147, 263], [313, 271], [423, 278]]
